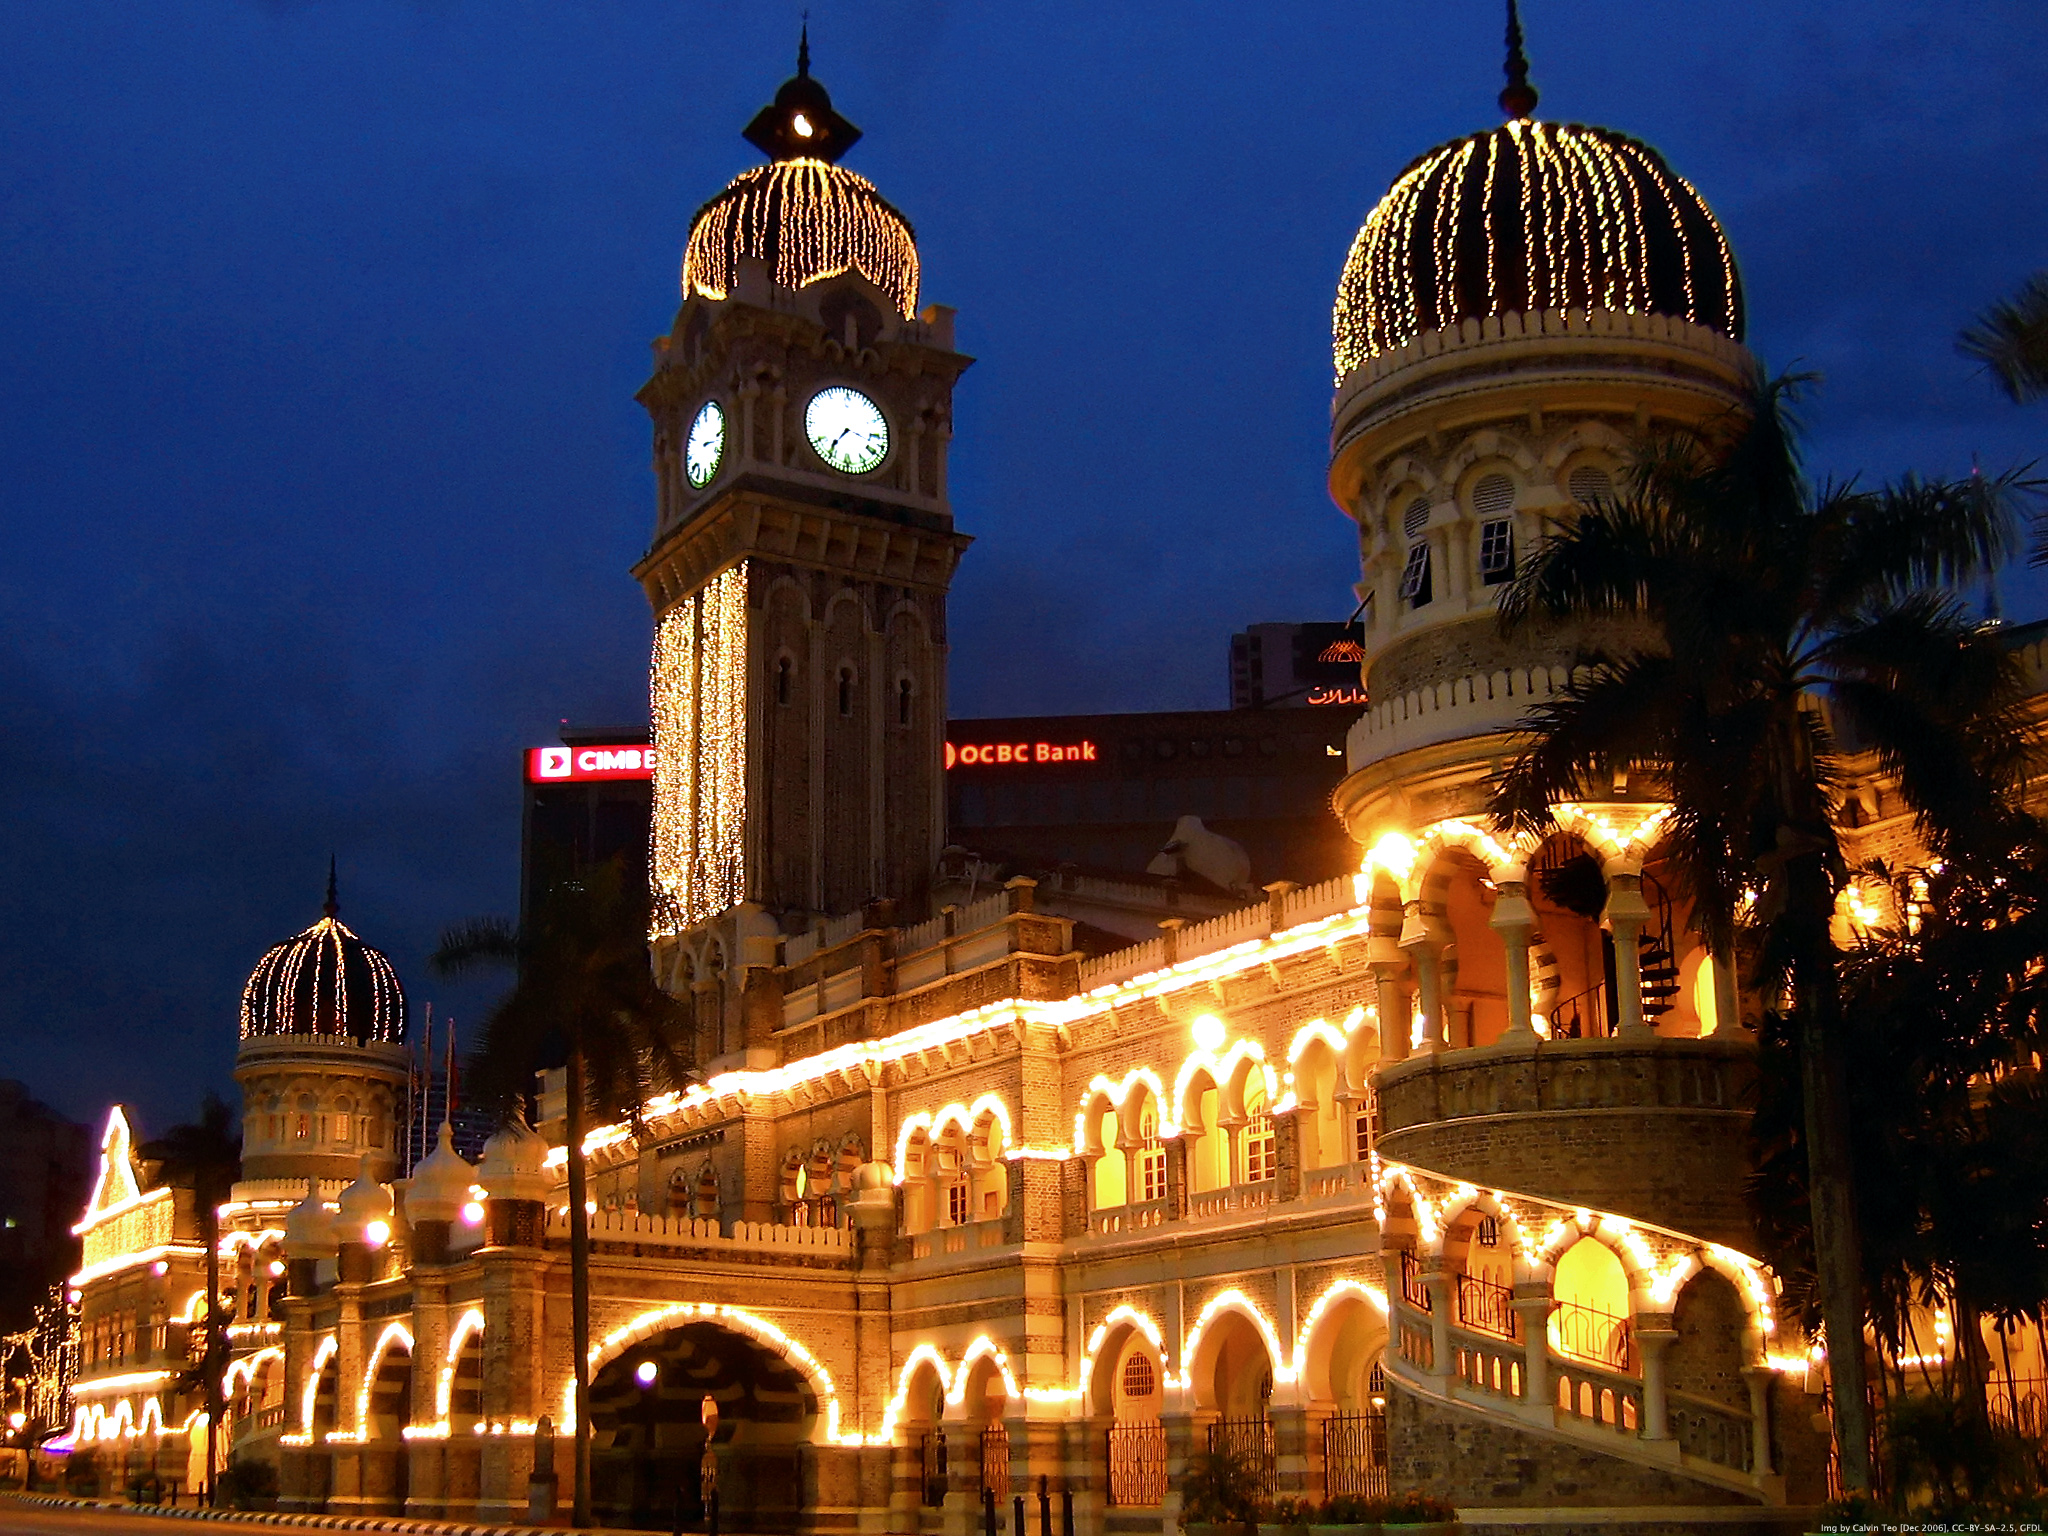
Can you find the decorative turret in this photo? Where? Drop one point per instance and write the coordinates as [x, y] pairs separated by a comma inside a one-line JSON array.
[[1521, 307], [322, 1063], [515, 1182]]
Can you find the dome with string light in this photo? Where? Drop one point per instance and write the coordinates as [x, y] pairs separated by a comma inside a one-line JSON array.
[[325, 981], [1532, 216], [802, 214]]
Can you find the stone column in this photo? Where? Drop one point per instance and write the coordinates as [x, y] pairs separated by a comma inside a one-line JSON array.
[[1624, 918], [1390, 984], [1759, 1379], [1654, 1335], [1727, 1002], [1515, 920], [426, 1488], [1424, 935], [1438, 1284], [1532, 1306]]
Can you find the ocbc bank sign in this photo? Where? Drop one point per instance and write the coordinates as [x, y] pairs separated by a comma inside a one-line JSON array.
[[991, 754]]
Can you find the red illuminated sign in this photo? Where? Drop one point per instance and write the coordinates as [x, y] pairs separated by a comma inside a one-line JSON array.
[[579, 765], [990, 754]]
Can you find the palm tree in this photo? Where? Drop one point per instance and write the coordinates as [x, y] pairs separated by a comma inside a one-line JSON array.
[[1781, 614], [584, 997], [2011, 340], [205, 1156]]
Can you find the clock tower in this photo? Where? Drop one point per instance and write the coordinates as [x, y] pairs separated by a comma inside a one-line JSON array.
[[803, 546]]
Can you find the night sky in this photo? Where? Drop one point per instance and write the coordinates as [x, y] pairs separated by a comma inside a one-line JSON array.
[[322, 321]]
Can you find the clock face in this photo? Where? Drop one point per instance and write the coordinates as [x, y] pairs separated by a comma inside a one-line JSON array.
[[706, 447], [847, 429]]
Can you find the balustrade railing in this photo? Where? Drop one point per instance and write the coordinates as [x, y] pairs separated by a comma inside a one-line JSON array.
[[1589, 1334], [1488, 1307], [1413, 1291], [1597, 1397], [1135, 1217], [1495, 1370], [1711, 1431], [1137, 1465], [1355, 1456]]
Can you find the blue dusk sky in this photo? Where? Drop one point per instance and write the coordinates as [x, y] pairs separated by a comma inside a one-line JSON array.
[[322, 321]]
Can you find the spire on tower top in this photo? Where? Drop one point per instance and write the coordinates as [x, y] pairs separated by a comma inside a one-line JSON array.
[[1518, 99], [333, 907], [800, 123]]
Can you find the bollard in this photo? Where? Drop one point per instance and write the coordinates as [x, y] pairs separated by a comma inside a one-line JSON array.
[[1066, 1512], [988, 1512], [1017, 1504], [1044, 1506]]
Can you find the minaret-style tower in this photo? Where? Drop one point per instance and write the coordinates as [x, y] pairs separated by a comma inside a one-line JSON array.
[[803, 547], [322, 1063], [1517, 312]]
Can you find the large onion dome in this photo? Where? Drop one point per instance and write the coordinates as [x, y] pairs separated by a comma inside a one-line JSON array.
[[801, 213], [325, 981], [1532, 216]]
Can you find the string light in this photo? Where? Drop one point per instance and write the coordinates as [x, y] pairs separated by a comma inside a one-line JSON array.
[[808, 220], [698, 687], [1552, 216], [325, 981]]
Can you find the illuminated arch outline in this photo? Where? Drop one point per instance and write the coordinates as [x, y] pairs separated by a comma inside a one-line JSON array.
[[739, 1320]]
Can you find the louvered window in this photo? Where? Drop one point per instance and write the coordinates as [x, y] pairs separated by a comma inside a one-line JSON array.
[[1415, 518], [1590, 485]]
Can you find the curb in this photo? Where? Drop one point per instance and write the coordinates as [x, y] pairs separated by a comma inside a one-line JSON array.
[[322, 1522]]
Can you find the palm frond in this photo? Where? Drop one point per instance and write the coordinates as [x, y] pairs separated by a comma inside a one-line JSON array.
[[2010, 338], [1915, 534], [1604, 719], [477, 941]]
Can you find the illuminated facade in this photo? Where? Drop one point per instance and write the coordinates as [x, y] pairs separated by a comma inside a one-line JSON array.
[[1426, 1176]]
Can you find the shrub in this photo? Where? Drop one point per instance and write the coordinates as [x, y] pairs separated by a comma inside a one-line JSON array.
[[1287, 1511], [82, 1473], [1222, 1490], [1349, 1509], [1416, 1509], [247, 1483]]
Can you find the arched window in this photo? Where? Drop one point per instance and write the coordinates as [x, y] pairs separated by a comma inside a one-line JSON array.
[[1139, 1379], [1417, 587], [783, 679], [903, 701], [1260, 1160], [1151, 1158], [846, 691], [1493, 500]]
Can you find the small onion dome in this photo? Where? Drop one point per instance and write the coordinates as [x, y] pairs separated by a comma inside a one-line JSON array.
[[325, 981], [807, 219], [873, 1176], [309, 1227], [363, 1202], [515, 1164], [1532, 216], [440, 1183]]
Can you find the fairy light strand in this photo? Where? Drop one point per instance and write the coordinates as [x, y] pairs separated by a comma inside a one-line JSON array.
[[1604, 224], [808, 220], [698, 689]]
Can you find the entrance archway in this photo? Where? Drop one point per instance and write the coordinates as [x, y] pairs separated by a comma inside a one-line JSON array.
[[648, 1413]]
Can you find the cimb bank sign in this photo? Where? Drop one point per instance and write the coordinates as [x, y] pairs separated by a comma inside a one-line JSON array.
[[580, 765]]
